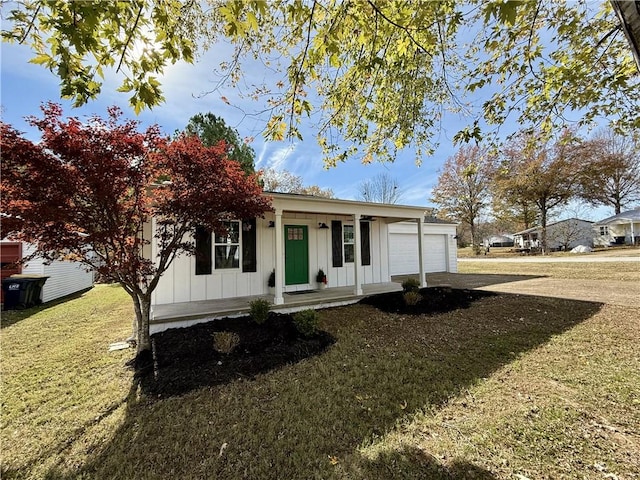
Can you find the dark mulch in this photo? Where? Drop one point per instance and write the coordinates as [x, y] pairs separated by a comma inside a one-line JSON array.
[[434, 300], [185, 358]]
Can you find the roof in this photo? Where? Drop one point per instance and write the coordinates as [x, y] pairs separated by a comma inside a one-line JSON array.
[[310, 204], [629, 15], [538, 227], [624, 217]]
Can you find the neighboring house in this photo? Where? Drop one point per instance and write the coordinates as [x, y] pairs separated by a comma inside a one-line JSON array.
[[348, 240], [621, 229], [439, 246], [64, 279], [562, 235], [503, 240]]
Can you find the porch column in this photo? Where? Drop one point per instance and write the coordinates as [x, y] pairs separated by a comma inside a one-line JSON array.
[[357, 254], [279, 298], [633, 237], [423, 278]]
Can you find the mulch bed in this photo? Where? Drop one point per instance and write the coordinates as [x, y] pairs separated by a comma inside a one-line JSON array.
[[434, 300], [185, 359]]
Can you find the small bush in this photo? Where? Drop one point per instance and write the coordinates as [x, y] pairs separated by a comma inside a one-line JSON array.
[[412, 298], [259, 310], [225, 342], [411, 285], [306, 322]]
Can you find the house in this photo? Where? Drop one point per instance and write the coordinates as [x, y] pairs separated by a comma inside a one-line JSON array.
[[561, 235], [64, 279], [438, 242], [348, 240], [621, 229]]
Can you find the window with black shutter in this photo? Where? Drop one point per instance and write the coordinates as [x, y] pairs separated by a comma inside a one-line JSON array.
[[203, 251], [336, 242], [249, 257], [365, 243]]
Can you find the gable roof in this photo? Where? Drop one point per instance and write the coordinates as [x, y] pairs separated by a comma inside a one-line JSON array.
[[624, 217], [539, 227]]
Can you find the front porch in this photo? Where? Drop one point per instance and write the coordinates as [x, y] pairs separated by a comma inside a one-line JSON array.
[[185, 314]]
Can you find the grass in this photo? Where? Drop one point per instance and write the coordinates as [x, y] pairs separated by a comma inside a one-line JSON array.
[[511, 385]]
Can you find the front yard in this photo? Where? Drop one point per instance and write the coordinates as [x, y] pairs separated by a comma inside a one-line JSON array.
[[508, 387]]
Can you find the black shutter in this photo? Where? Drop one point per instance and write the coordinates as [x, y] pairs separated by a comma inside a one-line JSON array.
[[365, 243], [249, 256], [336, 242], [203, 251]]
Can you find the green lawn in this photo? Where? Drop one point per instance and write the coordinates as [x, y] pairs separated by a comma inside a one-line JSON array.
[[537, 387]]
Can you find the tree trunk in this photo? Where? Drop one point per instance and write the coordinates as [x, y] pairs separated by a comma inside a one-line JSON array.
[[543, 222], [142, 307]]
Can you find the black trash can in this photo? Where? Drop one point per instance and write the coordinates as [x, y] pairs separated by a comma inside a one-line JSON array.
[[22, 291]]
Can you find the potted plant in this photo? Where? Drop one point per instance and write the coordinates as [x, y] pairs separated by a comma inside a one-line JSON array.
[[271, 282], [321, 278]]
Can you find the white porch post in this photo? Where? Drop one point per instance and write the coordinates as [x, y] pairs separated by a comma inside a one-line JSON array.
[[423, 278], [279, 298], [357, 255], [633, 237]]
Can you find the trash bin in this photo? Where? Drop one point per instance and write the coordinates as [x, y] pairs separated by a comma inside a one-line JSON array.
[[22, 291]]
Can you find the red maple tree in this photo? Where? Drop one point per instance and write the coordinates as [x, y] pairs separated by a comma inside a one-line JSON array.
[[89, 190]]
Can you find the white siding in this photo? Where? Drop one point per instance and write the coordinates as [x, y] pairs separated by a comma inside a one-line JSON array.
[[181, 284], [440, 254], [65, 278]]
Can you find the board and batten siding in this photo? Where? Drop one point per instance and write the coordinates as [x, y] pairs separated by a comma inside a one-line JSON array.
[[64, 279], [440, 249], [180, 283]]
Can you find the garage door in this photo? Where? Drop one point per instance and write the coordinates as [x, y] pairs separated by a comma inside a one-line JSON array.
[[403, 256]]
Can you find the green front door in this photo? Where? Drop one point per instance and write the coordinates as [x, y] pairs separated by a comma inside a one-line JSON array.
[[296, 255]]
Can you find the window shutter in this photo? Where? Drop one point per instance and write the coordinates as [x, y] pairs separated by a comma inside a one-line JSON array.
[[365, 243], [203, 251], [249, 244], [336, 242]]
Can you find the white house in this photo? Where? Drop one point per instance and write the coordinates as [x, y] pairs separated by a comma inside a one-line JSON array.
[[439, 243], [348, 240], [621, 229], [564, 234], [64, 279]]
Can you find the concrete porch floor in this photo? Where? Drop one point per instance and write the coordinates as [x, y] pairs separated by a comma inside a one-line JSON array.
[[189, 313]]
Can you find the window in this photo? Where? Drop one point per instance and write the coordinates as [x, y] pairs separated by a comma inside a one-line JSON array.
[[348, 236], [604, 231], [227, 247]]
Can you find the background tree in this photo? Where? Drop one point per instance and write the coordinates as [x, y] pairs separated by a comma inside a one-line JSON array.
[[87, 193], [463, 188], [540, 172], [283, 181], [511, 212], [385, 71], [211, 130], [382, 188], [612, 175]]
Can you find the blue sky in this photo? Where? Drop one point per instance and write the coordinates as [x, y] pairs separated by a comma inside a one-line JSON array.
[[25, 86]]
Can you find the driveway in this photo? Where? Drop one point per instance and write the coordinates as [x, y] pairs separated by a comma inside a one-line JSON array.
[[626, 294]]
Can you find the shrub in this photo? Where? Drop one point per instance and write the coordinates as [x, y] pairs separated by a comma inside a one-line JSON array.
[[259, 310], [306, 322], [411, 285], [225, 342], [412, 298]]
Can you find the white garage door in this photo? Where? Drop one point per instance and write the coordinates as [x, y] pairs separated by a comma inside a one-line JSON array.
[[403, 248]]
